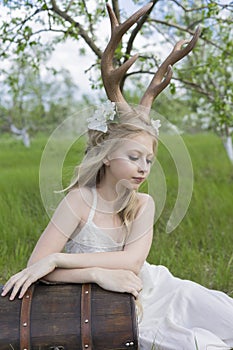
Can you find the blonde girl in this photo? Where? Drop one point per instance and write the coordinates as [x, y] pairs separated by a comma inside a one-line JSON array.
[[115, 165], [105, 225]]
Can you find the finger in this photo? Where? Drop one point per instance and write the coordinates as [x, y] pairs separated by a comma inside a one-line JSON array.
[[14, 291], [25, 287], [17, 287], [135, 293], [132, 290], [4, 292], [9, 284], [137, 283], [135, 278]]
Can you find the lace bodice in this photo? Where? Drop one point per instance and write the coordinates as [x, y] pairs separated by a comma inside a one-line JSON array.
[[91, 238]]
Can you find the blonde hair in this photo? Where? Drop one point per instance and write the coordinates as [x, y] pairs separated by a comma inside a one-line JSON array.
[[92, 169]]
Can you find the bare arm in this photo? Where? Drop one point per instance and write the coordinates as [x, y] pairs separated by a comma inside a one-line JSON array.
[[123, 281], [131, 258], [46, 256]]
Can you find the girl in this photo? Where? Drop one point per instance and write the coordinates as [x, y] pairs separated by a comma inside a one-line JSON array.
[[106, 226]]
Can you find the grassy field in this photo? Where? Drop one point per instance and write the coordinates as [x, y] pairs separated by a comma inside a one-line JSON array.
[[199, 249]]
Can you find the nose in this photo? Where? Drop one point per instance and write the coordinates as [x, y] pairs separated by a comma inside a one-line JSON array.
[[143, 166]]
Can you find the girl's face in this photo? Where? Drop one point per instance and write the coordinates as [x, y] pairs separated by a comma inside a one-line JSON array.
[[130, 164]]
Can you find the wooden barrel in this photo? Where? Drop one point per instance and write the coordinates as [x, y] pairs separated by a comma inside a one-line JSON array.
[[68, 317]]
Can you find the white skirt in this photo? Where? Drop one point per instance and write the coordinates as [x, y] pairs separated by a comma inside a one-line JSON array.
[[182, 315]]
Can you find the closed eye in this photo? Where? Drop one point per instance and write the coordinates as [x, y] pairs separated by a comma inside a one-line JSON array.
[[134, 159]]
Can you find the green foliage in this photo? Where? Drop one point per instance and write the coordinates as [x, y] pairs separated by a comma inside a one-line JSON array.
[[34, 101], [206, 75], [169, 106], [208, 70], [199, 249]]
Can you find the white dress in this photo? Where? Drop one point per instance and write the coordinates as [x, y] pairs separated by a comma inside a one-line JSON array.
[[177, 314]]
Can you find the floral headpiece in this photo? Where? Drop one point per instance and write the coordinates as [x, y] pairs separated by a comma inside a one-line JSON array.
[[105, 113]]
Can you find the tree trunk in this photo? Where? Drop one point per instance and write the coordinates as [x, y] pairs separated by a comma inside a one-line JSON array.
[[229, 147]]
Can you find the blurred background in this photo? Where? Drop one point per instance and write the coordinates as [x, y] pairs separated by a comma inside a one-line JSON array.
[[50, 69]]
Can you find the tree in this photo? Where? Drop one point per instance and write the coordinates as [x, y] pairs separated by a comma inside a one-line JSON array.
[[206, 75], [208, 72], [33, 101]]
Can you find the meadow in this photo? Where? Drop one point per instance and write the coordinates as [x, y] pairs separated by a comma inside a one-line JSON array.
[[200, 248]]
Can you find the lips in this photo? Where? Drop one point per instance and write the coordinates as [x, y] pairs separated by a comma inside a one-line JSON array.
[[138, 179]]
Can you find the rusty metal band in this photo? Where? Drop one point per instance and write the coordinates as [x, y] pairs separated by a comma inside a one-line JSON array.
[[25, 319], [86, 317]]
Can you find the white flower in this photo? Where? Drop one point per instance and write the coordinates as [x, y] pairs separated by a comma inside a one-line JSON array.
[[97, 125], [101, 116], [109, 110], [156, 125]]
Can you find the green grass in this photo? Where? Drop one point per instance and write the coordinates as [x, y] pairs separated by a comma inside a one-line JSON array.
[[199, 249]]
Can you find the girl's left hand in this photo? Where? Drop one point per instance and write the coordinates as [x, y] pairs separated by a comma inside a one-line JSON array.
[[29, 275]]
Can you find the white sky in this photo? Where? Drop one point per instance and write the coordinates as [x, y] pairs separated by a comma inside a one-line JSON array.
[[67, 54]]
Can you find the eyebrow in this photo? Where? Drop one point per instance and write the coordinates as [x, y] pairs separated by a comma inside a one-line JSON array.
[[141, 152]]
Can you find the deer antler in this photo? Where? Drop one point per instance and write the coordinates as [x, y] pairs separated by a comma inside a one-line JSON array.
[[164, 73], [112, 76]]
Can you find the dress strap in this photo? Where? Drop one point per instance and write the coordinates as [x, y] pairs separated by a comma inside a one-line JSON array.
[[94, 203]]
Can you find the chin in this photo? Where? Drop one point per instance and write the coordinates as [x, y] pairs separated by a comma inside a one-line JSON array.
[[126, 184], [135, 187]]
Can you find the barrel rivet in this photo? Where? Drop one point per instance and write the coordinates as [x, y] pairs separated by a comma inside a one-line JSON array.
[[131, 343], [27, 297], [86, 346], [127, 344], [25, 349], [25, 324], [86, 292], [86, 321]]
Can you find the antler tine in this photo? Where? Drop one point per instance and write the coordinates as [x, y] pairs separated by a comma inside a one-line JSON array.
[[112, 76], [165, 70]]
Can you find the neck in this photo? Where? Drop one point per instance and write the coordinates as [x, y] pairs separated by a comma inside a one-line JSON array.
[[112, 198]]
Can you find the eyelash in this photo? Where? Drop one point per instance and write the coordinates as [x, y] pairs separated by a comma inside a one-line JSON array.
[[134, 159]]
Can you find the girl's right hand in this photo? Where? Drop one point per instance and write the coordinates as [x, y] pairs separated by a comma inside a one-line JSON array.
[[22, 280], [123, 281]]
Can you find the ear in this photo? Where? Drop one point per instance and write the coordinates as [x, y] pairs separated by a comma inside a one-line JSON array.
[[106, 161]]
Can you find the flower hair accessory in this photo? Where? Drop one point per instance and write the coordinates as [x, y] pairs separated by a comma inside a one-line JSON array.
[[156, 125], [104, 113], [107, 112]]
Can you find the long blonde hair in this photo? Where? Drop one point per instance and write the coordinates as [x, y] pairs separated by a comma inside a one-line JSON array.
[[92, 168]]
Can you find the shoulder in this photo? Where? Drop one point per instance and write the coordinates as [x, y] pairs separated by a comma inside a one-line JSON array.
[[79, 193], [144, 199], [80, 199], [145, 203]]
